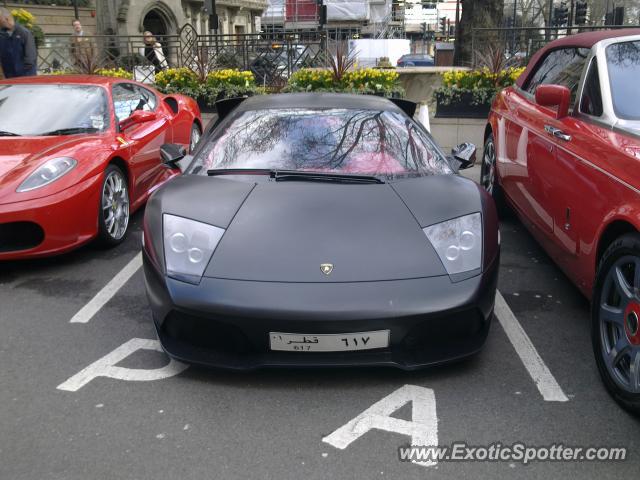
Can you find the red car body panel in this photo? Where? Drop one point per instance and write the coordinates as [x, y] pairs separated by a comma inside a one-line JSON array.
[[67, 209], [567, 193]]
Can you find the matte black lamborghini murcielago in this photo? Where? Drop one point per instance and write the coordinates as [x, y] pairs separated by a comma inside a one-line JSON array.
[[320, 229]]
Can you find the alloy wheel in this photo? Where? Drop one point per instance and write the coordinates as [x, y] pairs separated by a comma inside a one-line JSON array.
[[195, 138], [115, 205], [488, 175], [619, 323]]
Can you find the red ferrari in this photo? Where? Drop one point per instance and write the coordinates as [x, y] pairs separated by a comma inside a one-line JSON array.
[[562, 149], [78, 155]]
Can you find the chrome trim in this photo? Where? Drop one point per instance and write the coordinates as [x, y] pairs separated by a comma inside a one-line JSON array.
[[556, 132], [579, 158]]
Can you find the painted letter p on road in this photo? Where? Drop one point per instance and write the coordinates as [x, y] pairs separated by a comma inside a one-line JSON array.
[[105, 367]]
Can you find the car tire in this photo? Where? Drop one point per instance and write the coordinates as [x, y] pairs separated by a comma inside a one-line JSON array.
[[615, 333], [489, 178], [113, 214], [194, 137]]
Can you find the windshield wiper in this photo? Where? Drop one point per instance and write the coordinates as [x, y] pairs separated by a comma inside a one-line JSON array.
[[239, 171], [8, 134], [289, 175], [69, 131]]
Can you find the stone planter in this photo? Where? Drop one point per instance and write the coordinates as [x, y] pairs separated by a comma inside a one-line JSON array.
[[462, 108]]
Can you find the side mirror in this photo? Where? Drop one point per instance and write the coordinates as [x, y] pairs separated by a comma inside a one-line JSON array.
[[226, 106], [171, 154], [138, 116], [554, 96], [465, 153], [407, 106]]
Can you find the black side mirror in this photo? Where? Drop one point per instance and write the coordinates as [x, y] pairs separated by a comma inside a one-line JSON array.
[[171, 154], [226, 106], [465, 154], [407, 106]]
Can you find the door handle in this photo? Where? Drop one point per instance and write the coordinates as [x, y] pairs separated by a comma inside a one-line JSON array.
[[556, 132]]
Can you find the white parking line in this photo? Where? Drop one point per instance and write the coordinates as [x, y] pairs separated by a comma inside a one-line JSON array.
[[87, 312], [542, 377]]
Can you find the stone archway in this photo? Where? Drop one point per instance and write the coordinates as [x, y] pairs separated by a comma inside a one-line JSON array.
[[155, 23], [158, 18]]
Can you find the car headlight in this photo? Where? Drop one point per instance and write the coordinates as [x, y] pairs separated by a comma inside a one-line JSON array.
[[458, 242], [48, 172], [188, 246]]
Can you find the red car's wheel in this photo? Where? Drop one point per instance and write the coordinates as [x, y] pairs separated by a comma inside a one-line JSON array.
[[113, 218], [489, 176], [615, 329], [195, 137]]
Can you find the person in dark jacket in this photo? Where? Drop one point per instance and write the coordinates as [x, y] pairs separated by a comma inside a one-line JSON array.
[[18, 54], [153, 52]]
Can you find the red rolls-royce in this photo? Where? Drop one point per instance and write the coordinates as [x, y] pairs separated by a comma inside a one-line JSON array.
[[78, 155], [562, 148]]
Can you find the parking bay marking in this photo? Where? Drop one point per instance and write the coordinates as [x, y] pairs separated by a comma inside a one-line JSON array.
[[542, 377], [87, 312], [423, 427], [106, 367]]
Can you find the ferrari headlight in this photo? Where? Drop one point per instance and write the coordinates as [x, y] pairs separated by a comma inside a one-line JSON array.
[[458, 242], [188, 246], [48, 172]]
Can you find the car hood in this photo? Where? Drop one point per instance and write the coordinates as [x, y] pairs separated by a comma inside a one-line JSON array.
[[20, 156], [285, 231], [14, 150]]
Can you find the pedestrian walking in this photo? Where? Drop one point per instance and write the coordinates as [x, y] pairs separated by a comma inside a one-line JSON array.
[[18, 55], [81, 46], [153, 52]]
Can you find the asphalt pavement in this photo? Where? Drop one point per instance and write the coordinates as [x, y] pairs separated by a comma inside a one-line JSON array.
[[59, 421]]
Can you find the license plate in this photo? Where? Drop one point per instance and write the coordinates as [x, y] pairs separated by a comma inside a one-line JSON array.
[[334, 342]]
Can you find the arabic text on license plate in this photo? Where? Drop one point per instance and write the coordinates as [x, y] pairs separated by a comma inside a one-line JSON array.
[[335, 342]]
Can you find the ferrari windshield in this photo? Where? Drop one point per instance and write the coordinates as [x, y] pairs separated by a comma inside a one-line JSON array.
[[36, 110], [364, 142], [623, 61]]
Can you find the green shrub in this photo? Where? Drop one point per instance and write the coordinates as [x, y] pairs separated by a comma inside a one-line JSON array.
[[482, 84], [179, 80], [365, 80], [115, 72]]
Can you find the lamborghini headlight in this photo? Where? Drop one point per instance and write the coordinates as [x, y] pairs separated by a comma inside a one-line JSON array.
[[188, 246], [458, 242], [48, 172]]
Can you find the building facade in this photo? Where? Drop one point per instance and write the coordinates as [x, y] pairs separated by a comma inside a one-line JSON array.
[[166, 17]]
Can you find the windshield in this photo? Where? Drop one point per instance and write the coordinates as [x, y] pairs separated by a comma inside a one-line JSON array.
[[364, 142], [34, 110], [623, 60]]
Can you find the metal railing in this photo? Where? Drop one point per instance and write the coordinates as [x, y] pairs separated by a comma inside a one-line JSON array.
[[272, 57], [523, 42]]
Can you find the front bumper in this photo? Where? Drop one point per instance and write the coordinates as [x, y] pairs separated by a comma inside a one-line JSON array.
[[66, 220], [226, 323]]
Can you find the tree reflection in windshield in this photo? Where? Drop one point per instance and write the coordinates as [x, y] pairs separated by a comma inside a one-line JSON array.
[[623, 60], [34, 109], [367, 142]]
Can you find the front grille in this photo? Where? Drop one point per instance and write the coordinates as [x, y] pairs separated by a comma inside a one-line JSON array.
[[446, 330], [15, 236], [206, 333]]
